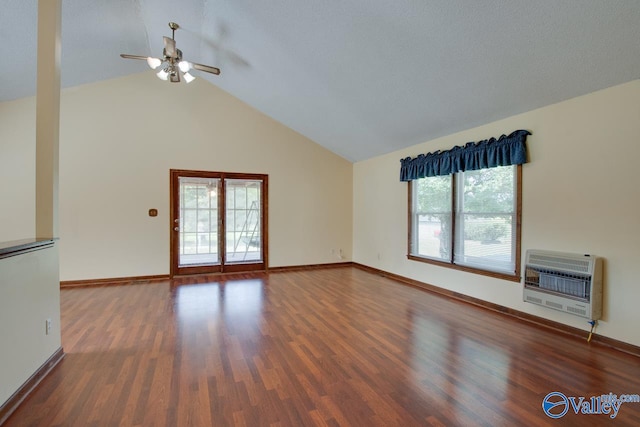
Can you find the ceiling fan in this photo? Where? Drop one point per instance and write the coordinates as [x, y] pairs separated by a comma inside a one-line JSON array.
[[172, 66]]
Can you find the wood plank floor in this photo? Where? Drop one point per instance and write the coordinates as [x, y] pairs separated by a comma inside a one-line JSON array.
[[330, 347]]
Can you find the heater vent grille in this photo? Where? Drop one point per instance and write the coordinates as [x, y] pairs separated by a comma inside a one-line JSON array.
[[578, 311], [534, 299], [562, 263], [553, 304]]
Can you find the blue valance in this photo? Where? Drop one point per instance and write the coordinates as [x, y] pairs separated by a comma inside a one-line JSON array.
[[490, 153]]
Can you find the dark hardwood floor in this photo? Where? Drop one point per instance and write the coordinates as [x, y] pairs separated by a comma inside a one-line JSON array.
[[329, 347]]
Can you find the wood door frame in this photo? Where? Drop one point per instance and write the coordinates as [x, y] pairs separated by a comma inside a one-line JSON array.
[[222, 267]]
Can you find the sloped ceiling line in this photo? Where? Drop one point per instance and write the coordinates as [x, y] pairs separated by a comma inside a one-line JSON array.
[[360, 77]]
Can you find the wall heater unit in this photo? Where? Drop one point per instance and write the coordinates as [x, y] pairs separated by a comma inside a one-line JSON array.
[[563, 281]]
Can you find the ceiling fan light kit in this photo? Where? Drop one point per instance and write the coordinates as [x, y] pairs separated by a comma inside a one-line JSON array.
[[153, 62], [172, 67]]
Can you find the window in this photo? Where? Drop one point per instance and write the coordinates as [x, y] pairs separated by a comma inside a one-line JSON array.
[[465, 205], [468, 220]]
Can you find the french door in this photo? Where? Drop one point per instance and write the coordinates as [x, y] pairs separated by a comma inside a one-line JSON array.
[[218, 222]]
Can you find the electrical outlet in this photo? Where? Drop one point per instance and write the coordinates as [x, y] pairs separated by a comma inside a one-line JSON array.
[[47, 326]]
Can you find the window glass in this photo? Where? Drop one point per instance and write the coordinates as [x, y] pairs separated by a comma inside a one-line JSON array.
[[432, 217], [485, 219], [467, 219]]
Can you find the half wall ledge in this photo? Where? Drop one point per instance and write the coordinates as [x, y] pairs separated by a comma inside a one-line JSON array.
[[19, 247]]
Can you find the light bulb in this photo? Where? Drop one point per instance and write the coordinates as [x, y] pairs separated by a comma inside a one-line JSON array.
[[153, 62], [184, 66], [163, 74], [188, 77]]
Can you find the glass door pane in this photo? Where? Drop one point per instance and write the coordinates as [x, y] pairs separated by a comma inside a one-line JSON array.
[[198, 221], [243, 226]]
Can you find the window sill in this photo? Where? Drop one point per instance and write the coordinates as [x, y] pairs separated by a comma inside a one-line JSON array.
[[504, 276]]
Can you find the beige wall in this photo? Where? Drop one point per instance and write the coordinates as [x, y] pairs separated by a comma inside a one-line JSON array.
[[17, 169], [118, 140], [580, 194]]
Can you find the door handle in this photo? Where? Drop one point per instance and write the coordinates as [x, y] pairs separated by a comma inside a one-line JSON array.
[[176, 228]]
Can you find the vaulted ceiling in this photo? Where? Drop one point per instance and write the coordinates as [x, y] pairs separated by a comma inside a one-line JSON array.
[[360, 77]]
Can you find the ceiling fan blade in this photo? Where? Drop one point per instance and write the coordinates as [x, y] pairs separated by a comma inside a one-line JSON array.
[[170, 47], [124, 55], [206, 68], [152, 62]]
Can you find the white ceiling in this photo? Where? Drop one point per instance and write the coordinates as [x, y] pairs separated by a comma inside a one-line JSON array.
[[360, 77]]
